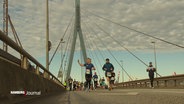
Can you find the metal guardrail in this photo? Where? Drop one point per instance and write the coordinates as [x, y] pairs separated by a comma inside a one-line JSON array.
[[176, 81], [26, 56]]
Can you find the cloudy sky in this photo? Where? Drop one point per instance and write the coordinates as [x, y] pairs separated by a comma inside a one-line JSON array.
[[159, 18]]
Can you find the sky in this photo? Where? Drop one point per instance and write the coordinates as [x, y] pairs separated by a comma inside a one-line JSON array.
[[159, 18]]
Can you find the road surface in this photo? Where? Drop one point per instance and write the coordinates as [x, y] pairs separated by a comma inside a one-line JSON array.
[[123, 96]]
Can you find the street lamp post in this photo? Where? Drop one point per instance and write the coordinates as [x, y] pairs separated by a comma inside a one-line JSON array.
[[118, 76], [5, 22], [122, 70], [47, 34], [154, 43]]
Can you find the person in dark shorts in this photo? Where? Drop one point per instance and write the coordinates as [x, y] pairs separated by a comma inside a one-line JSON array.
[[108, 68], [70, 82], [95, 79], [88, 74], [151, 71], [74, 85], [112, 78]]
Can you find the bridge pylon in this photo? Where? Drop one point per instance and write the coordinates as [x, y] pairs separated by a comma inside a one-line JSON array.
[[77, 31]]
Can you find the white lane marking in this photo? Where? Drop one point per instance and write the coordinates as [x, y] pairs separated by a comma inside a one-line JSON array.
[[177, 92], [118, 94]]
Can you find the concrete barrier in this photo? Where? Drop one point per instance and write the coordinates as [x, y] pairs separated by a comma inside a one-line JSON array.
[[14, 78]]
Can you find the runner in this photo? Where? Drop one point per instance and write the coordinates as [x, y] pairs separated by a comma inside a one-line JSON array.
[[65, 84], [151, 71], [95, 79], [88, 74], [70, 81], [112, 78], [108, 68], [103, 83], [74, 85], [81, 86]]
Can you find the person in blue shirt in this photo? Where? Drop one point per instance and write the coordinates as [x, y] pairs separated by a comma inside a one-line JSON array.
[[88, 74], [95, 79], [108, 68]]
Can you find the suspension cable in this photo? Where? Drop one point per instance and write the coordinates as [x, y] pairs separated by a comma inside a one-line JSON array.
[[92, 43], [14, 32], [110, 53], [67, 45], [145, 34], [88, 45], [122, 46], [61, 40], [65, 50], [65, 54], [93, 56]]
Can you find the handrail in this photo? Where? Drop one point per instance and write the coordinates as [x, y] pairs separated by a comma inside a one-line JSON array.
[[143, 82], [11, 58], [13, 45]]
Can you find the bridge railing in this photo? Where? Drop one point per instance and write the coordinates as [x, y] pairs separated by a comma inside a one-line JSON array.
[[23, 62], [176, 81]]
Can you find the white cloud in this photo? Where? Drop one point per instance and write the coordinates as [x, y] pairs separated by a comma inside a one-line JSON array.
[[160, 18]]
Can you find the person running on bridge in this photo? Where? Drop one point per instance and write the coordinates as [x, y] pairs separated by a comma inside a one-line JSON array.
[[108, 68], [65, 84], [102, 82], [70, 81], [74, 85], [95, 79], [88, 74], [112, 78], [151, 71]]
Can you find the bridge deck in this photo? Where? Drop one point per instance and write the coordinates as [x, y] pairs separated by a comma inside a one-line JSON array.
[[125, 96]]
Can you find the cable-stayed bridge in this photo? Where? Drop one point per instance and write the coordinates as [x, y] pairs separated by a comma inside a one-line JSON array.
[[24, 75]]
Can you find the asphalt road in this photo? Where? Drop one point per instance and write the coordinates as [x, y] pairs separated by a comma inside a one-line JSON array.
[[124, 96]]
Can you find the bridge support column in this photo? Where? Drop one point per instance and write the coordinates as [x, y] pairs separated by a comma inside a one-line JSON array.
[[45, 75], [24, 64], [37, 70]]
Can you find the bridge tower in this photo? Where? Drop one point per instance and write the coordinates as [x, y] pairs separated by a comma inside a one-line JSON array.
[[77, 31]]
